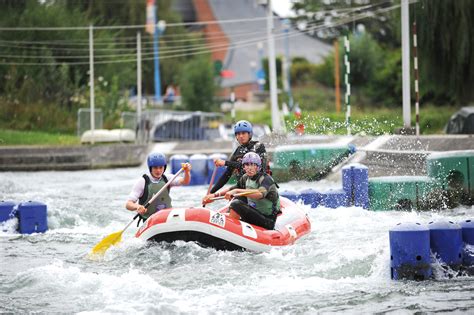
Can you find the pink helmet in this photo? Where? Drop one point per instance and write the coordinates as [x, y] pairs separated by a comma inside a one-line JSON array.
[[252, 157]]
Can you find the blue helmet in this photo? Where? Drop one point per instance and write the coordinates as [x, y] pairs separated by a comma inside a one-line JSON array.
[[252, 158], [243, 126], [156, 159]]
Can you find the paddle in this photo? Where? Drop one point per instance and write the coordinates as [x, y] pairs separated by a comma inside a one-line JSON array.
[[245, 193], [210, 183], [116, 237]]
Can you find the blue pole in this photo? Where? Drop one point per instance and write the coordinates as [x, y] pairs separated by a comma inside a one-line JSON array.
[[156, 36]]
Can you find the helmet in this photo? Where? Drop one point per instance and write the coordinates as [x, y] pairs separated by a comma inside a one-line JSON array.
[[156, 159], [243, 126], [252, 157]]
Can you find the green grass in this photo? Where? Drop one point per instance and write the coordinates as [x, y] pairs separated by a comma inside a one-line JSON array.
[[14, 137], [364, 120]]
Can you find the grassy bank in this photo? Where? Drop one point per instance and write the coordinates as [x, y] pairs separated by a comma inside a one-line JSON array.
[[14, 137], [364, 120]]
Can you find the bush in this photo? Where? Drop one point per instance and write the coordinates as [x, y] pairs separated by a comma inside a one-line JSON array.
[[197, 84]]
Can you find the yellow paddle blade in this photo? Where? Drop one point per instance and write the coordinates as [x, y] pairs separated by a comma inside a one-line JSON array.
[[105, 244]]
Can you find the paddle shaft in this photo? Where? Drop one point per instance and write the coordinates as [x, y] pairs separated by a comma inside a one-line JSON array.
[[236, 195], [211, 182]]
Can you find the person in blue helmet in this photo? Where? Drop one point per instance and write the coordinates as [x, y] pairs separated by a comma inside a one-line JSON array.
[[147, 186], [261, 203], [243, 133]]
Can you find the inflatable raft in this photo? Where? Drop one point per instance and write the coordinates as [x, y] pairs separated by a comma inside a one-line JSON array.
[[215, 229]]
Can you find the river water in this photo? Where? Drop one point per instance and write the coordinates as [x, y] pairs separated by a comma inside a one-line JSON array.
[[341, 266]]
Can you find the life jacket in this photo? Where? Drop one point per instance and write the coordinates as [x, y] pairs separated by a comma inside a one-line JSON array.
[[161, 202], [264, 205]]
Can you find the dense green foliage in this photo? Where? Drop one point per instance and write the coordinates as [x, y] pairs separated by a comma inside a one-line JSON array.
[[15, 137], [197, 84], [45, 73], [445, 47]]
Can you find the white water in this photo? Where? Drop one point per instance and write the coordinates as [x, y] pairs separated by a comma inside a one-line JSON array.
[[341, 266]]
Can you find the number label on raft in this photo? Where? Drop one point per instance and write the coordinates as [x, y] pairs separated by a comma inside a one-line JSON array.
[[217, 219]]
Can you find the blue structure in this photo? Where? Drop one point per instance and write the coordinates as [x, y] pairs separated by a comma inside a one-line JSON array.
[[6, 210], [410, 252], [446, 242], [199, 169], [176, 161], [467, 228], [311, 197], [32, 217], [334, 199], [355, 182], [291, 194], [211, 166]]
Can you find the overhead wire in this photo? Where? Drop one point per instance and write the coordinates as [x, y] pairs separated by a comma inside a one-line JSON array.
[[206, 48]]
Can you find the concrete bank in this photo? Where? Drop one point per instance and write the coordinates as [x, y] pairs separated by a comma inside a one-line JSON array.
[[384, 155], [37, 158]]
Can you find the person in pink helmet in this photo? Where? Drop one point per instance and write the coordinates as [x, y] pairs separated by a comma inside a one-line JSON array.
[[261, 202]]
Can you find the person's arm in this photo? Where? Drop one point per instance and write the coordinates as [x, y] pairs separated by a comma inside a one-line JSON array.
[[137, 191], [187, 175], [262, 152], [222, 180]]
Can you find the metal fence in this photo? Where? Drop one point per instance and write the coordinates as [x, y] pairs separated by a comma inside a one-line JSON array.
[[84, 120], [168, 125]]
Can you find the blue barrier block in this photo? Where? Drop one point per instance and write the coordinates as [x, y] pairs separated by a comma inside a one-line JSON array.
[[446, 242], [176, 160], [6, 210], [311, 197], [334, 199], [467, 230], [361, 186], [32, 217], [467, 227], [211, 166], [290, 194], [348, 181], [410, 252], [199, 169], [355, 182]]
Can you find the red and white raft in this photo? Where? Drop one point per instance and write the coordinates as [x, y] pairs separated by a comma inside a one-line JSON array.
[[215, 229]]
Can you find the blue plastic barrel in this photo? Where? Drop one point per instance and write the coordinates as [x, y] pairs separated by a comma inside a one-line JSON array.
[[6, 210], [199, 169], [311, 197], [410, 252], [467, 227], [211, 166], [32, 217], [291, 194], [334, 199], [446, 242], [176, 161]]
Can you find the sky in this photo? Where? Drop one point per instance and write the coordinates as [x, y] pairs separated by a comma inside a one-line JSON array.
[[282, 7]]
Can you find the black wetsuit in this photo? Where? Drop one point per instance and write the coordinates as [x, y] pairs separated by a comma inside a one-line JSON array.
[[235, 166]]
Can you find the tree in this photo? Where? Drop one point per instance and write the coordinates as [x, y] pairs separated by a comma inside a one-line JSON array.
[[197, 84], [446, 48]]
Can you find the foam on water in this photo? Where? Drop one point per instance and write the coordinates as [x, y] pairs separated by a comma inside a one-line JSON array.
[[341, 266]]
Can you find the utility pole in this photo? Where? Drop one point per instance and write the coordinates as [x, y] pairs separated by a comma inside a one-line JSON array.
[[139, 89], [91, 82], [276, 123], [406, 64]]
